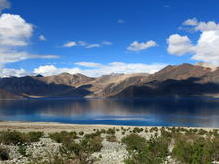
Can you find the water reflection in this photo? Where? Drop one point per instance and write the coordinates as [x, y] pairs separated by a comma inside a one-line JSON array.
[[162, 112]]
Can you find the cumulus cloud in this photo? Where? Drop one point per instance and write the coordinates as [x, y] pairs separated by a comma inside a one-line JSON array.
[[48, 70], [14, 30], [179, 45], [206, 49], [98, 69], [86, 45], [7, 72], [15, 34], [191, 22], [42, 38], [70, 44], [201, 26], [4, 4], [139, 46]]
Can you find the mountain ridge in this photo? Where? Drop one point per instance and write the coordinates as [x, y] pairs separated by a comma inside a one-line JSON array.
[[173, 80]]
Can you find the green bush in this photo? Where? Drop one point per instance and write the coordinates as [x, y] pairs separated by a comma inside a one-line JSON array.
[[4, 154], [22, 149], [16, 138], [138, 130], [111, 138], [81, 133], [198, 150], [34, 136], [81, 151], [153, 151], [111, 131], [63, 137]]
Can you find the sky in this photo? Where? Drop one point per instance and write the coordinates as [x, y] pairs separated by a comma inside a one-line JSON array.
[[97, 37]]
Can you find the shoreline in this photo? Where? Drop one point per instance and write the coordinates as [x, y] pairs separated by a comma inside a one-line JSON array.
[[105, 143], [56, 126]]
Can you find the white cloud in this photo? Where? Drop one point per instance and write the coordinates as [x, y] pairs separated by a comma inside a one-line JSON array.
[[14, 30], [93, 46], [201, 26], [88, 64], [99, 69], [86, 45], [7, 72], [10, 56], [139, 46], [206, 49], [42, 38], [191, 22], [48, 70], [4, 4], [179, 45], [70, 44]]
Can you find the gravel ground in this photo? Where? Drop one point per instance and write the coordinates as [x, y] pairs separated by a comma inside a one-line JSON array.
[[111, 152]]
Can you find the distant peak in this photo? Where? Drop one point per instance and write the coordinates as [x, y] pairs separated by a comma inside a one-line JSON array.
[[39, 75]]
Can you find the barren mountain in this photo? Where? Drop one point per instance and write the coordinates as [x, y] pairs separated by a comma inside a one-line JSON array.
[[67, 79], [7, 95], [182, 80]]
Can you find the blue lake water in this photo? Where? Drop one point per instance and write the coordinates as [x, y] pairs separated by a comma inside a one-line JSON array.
[[201, 112]]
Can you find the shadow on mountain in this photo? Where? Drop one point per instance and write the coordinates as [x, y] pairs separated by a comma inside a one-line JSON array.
[[30, 86], [188, 87]]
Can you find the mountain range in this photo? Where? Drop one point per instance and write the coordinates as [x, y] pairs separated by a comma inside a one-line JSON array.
[[179, 80]]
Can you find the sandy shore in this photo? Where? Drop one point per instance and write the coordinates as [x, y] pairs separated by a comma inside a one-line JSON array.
[[53, 126]]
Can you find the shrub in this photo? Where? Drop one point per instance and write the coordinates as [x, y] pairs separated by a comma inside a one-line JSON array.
[[197, 151], [111, 131], [134, 142], [34, 136], [202, 132], [81, 133], [153, 151], [103, 131], [81, 151], [11, 137], [138, 130], [4, 154], [63, 137], [16, 138], [111, 138], [22, 149]]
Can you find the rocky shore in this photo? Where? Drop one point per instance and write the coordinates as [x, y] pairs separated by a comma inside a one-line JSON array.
[[112, 150]]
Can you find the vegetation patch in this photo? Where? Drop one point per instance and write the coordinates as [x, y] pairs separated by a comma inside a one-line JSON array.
[[19, 138], [4, 154], [63, 137]]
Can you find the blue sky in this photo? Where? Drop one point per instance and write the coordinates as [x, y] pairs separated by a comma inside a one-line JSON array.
[[105, 36]]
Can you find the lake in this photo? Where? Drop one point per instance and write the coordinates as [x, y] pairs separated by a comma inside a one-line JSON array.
[[199, 112]]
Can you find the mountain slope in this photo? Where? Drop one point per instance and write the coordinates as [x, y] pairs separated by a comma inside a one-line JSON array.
[[182, 80], [32, 87], [66, 79], [7, 95]]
